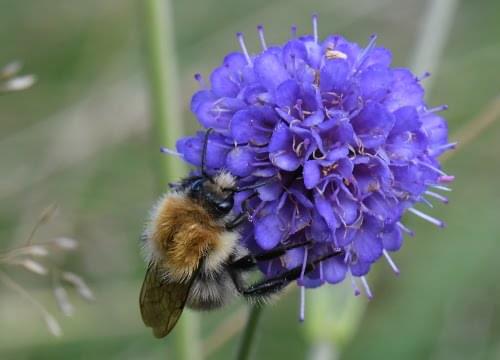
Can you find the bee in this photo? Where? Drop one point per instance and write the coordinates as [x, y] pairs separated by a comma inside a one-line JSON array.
[[192, 245]]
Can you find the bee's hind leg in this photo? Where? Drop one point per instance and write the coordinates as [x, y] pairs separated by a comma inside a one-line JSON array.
[[250, 261], [273, 285]]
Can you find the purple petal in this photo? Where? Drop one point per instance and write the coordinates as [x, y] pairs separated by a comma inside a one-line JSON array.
[[217, 114], [375, 82], [367, 244], [334, 270], [378, 56], [344, 235], [326, 210], [248, 125], [223, 82], [373, 124], [312, 174], [405, 91], [281, 149], [287, 94], [235, 61], [407, 119], [294, 49], [392, 239], [270, 70], [201, 97], [436, 129], [240, 161], [333, 75], [319, 230], [191, 148], [268, 231], [314, 54], [271, 191], [384, 209], [348, 209], [360, 268], [406, 146]]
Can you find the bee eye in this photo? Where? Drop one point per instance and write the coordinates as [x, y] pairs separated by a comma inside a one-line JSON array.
[[196, 186], [225, 206]]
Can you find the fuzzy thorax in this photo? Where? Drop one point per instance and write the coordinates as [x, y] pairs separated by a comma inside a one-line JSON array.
[[181, 233]]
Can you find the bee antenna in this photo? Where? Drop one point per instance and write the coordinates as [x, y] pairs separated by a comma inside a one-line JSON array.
[[255, 186], [204, 155]]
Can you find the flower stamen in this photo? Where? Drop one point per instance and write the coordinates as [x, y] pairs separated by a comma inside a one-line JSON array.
[[368, 291], [391, 262], [315, 27], [241, 40], [426, 217], [262, 38], [440, 197]]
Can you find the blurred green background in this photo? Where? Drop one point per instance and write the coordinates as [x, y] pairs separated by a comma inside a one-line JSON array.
[[80, 137]]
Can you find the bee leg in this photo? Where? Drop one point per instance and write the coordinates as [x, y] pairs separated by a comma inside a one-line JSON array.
[[249, 261], [237, 221], [275, 284], [243, 216]]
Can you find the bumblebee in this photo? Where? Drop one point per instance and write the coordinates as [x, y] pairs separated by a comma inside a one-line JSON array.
[[192, 245]]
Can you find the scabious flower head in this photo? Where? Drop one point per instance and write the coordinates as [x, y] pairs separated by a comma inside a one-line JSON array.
[[346, 143]]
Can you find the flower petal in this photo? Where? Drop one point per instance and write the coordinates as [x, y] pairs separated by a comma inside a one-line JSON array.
[[240, 161], [268, 231], [334, 270], [373, 124], [270, 70]]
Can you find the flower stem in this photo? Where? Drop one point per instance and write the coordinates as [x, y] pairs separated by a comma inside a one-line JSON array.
[[163, 84], [435, 28], [167, 127], [248, 336]]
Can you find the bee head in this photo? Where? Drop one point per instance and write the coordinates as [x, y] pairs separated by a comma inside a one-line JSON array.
[[214, 194]]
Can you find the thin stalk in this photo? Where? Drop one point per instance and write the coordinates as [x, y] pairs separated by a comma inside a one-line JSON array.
[[163, 85], [167, 128], [434, 32], [248, 336]]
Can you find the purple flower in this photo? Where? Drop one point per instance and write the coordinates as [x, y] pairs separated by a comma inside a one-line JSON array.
[[349, 140]]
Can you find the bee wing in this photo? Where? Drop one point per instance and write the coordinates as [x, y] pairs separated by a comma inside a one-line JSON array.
[[162, 301]]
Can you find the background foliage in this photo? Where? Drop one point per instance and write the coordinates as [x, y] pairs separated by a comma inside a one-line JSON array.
[[80, 138]]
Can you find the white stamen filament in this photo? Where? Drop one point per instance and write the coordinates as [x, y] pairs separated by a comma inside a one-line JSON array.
[[199, 78], [405, 229], [391, 262], [262, 38], [440, 197], [302, 314], [437, 109], [424, 76], [241, 40], [354, 286], [447, 146], [368, 292], [433, 168], [315, 27], [440, 187], [426, 202], [304, 264], [427, 217], [170, 152], [367, 49]]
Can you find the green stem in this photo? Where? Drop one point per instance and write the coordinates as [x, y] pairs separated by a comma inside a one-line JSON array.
[[248, 336], [167, 128], [163, 84]]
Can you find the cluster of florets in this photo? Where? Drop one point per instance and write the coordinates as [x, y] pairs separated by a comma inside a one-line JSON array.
[[346, 144]]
